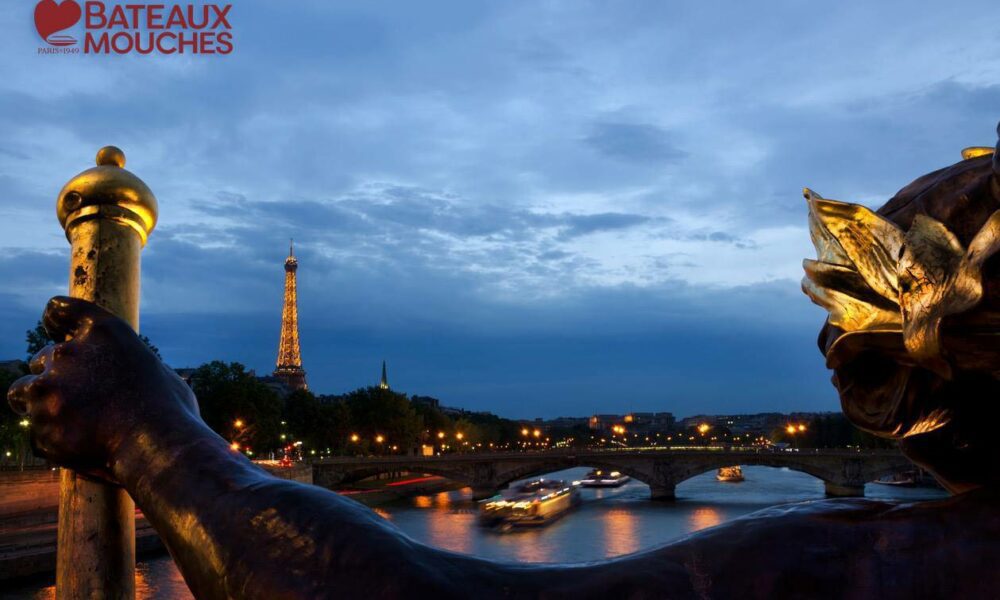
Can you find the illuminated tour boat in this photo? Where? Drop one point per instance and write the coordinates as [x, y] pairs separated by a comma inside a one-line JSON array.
[[730, 474], [601, 478], [535, 503]]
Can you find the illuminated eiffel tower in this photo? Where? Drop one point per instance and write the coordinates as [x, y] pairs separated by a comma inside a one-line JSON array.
[[289, 366]]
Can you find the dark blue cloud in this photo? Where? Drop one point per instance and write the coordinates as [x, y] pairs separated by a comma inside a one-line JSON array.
[[634, 143]]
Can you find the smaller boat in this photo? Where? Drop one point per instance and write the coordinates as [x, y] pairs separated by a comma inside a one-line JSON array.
[[535, 503], [898, 479], [730, 474], [601, 478]]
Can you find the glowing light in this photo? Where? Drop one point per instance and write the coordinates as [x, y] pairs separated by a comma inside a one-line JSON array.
[[459, 435], [802, 427], [238, 424], [791, 429], [235, 446], [536, 433], [525, 431], [354, 437], [440, 435], [703, 428], [24, 423], [379, 439]]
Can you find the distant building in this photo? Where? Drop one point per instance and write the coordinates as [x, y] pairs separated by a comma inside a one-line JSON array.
[[278, 385], [14, 367], [289, 364], [187, 374], [383, 384], [641, 422], [567, 422], [426, 401]]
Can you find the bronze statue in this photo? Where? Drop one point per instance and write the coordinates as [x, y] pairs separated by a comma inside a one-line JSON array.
[[914, 330], [911, 342]]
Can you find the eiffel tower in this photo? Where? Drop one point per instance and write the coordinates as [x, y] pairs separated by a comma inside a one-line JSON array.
[[289, 366]]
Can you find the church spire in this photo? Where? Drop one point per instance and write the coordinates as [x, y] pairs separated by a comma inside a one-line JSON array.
[[289, 363], [384, 383]]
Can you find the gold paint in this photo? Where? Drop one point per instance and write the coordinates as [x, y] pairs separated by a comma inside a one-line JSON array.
[[977, 151], [872, 277]]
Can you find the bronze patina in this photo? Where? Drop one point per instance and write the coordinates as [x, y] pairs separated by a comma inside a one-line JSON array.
[[912, 341]]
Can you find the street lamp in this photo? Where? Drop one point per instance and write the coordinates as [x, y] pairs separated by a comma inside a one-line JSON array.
[[440, 435], [459, 435], [238, 424], [379, 439], [354, 437]]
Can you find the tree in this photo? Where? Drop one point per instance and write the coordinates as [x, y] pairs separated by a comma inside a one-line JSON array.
[[379, 412], [227, 394], [38, 338], [13, 436]]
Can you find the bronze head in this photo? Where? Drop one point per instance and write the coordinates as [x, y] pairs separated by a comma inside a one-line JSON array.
[[913, 336]]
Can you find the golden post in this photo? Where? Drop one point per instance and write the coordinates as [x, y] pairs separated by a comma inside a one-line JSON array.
[[107, 213]]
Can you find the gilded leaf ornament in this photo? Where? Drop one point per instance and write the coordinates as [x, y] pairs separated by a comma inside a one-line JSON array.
[[871, 276]]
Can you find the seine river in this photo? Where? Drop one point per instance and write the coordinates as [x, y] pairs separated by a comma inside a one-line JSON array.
[[609, 522]]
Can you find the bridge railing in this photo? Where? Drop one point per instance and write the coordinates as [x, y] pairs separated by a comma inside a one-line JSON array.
[[596, 452]]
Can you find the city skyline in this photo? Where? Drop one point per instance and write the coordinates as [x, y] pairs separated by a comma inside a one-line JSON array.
[[584, 211]]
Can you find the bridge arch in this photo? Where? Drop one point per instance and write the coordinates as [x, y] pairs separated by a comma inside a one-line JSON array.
[[331, 477], [531, 470], [844, 477]]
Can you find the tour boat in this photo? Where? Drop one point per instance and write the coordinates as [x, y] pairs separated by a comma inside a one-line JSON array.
[[730, 474], [601, 478], [534, 503]]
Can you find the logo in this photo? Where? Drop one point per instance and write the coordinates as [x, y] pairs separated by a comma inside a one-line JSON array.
[[134, 28], [52, 17]]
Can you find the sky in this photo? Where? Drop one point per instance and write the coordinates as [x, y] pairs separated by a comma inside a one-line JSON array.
[[532, 208]]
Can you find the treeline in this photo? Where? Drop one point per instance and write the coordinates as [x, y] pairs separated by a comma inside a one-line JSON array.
[[371, 420], [831, 431]]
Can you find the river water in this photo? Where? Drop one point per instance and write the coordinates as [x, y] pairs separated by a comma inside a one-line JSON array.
[[609, 522]]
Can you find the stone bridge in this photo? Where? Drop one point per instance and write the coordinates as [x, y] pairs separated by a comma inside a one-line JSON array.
[[843, 472]]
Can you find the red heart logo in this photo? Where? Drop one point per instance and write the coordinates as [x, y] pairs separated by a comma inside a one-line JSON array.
[[51, 17]]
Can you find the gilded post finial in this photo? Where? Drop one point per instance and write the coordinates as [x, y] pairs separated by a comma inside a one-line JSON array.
[[108, 191]]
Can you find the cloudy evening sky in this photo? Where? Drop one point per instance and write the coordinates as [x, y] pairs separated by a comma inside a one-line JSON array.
[[533, 208]]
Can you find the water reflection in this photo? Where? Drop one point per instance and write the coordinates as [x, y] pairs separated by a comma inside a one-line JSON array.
[[705, 517], [155, 579], [620, 532]]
